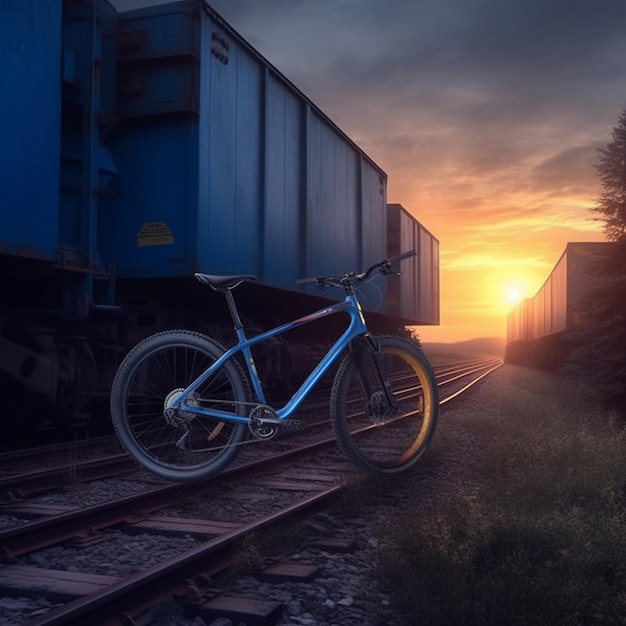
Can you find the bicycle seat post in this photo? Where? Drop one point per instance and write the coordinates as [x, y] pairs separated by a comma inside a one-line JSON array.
[[232, 307]]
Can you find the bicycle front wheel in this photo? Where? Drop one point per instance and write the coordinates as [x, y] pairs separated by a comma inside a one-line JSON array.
[[174, 444], [385, 405]]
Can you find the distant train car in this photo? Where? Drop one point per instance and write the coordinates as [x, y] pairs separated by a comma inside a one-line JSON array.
[[141, 147], [415, 296], [537, 326]]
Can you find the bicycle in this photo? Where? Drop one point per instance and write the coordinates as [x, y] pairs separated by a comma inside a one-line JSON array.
[[182, 404]]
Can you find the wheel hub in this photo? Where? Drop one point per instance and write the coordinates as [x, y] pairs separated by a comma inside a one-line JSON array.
[[174, 415]]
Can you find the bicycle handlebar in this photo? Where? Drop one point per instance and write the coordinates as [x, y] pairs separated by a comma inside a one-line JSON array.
[[350, 280]]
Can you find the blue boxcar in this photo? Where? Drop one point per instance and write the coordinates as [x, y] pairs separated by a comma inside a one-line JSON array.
[[225, 166]]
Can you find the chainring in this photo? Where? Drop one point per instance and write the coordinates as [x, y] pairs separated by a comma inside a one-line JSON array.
[[264, 423]]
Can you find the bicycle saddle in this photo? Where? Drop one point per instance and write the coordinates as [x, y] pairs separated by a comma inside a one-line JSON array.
[[223, 282]]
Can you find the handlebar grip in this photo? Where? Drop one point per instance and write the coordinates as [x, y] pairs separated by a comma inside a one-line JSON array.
[[307, 281], [401, 257]]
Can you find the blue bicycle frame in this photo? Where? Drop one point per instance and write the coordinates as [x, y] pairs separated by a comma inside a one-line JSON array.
[[355, 328]]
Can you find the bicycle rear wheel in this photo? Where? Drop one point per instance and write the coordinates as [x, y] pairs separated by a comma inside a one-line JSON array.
[[385, 405], [177, 445]]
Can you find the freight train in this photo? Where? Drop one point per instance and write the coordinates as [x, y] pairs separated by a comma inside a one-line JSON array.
[[140, 147], [538, 328]]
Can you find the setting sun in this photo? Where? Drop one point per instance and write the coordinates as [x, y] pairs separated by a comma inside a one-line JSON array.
[[505, 290], [515, 290]]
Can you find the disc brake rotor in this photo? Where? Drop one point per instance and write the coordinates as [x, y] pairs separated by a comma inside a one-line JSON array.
[[378, 409]]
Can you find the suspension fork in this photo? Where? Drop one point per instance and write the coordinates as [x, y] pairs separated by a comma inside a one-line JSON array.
[[360, 348]]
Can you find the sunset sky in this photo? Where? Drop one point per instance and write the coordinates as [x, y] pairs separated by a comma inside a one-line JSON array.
[[485, 114]]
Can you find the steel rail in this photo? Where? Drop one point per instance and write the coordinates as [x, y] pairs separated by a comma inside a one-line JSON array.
[[101, 606], [470, 384], [41, 533], [466, 372]]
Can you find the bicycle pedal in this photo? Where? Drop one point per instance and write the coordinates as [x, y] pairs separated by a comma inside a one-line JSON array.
[[292, 425]]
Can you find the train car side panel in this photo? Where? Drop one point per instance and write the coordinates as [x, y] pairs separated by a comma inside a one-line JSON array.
[[428, 251], [374, 212], [559, 296], [149, 229], [233, 120], [520, 321], [284, 203], [30, 112], [414, 295], [513, 324], [332, 201]]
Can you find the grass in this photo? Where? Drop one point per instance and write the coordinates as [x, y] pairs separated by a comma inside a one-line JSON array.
[[538, 536]]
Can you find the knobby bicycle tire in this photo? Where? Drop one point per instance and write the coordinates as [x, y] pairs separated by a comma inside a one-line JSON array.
[[176, 445], [375, 434]]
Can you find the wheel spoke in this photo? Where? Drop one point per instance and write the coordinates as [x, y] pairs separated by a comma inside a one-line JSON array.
[[171, 442]]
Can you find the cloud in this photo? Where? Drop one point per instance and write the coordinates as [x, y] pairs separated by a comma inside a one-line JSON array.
[[569, 172]]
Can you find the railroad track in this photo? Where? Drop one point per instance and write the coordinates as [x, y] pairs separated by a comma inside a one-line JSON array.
[[295, 480], [455, 379], [27, 472], [267, 495]]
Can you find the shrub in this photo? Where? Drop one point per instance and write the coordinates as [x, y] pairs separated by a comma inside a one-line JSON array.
[[541, 537]]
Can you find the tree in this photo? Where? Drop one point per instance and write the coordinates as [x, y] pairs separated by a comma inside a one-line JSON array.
[[611, 169], [600, 359]]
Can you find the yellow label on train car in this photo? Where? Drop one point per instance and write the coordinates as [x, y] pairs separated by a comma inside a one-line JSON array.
[[155, 234]]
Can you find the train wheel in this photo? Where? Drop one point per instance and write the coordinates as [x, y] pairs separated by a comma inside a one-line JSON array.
[[385, 405], [177, 445]]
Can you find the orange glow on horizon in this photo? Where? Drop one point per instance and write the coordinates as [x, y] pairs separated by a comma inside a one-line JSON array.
[[493, 258], [499, 239]]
